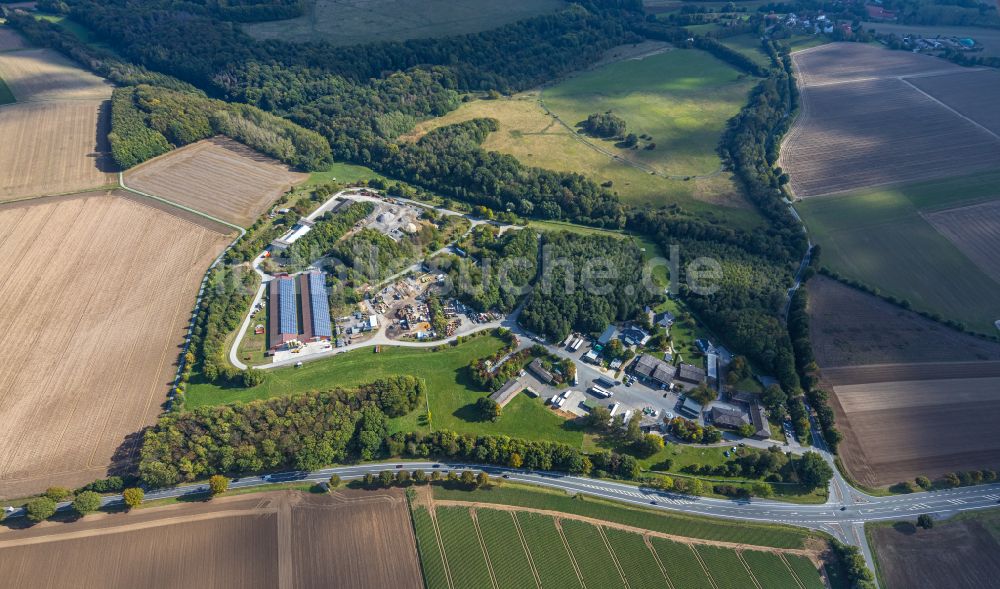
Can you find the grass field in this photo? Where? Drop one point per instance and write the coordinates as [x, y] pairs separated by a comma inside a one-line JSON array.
[[352, 22], [680, 98], [450, 394], [880, 237], [748, 45], [553, 549], [669, 523]]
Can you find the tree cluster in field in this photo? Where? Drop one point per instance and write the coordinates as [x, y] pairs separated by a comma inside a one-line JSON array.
[[370, 255], [132, 141], [226, 300], [856, 571], [587, 282], [694, 433], [451, 161], [513, 452], [328, 230], [305, 432], [496, 269], [626, 436], [605, 124], [183, 118], [771, 465]]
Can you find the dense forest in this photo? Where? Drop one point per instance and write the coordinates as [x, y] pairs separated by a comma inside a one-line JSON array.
[[587, 281], [495, 271]]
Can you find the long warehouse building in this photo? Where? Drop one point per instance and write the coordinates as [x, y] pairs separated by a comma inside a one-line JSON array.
[[282, 311], [316, 325]]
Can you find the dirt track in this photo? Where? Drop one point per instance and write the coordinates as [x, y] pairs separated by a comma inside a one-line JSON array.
[[217, 176], [100, 290], [288, 540]]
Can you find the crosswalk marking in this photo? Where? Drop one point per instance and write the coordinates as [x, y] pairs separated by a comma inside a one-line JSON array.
[[991, 497], [955, 501]]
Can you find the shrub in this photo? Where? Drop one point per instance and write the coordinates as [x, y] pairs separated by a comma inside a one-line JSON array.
[[40, 508], [133, 497]]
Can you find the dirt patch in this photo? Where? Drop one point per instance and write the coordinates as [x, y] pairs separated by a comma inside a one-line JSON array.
[[54, 148], [952, 554], [355, 539], [855, 129], [42, 74], [217, 176], [851, 328], [100, 290], [289, 540], [895, 431], [975, 230]]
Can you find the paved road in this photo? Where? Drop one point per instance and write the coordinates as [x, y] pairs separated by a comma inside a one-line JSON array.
[[834, 517]]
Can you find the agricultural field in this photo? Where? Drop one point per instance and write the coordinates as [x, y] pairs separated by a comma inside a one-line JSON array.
[[276, 539], [910, 557], [895, 431], [353, 22], [882, 237], [101, 293], [682, 99], [850, 328], [451, 396], [561, 550], [57, 130], [855, 130], [11, 40], [953, 90], [749, 45], [217, 176], [975, 231]]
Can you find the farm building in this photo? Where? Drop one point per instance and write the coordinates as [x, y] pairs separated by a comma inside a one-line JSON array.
[[539, 371], [508, 391], [648, 368], [689, 407], [315, 307], [712, 368], [728, 417], [607, 336], [282, 312], [755, 412], [690, 374]]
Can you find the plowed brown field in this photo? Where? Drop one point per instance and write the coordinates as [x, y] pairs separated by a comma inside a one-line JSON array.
[[284, 540], [975, 230], [217, 176], [852, 328], [866, 122], [957, 553], [954, 90], [895, 431], [97, 294]]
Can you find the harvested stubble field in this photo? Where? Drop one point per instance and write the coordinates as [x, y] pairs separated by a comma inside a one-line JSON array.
[[849, 327], [217, 176], [286, 539], [856, 126], [975, 231], [908, 557], [54, 148], [562, 550], [43, 74], [10, 40], [352, 22], [895, 431], [954, 90], [56, 134], [99, 292]]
